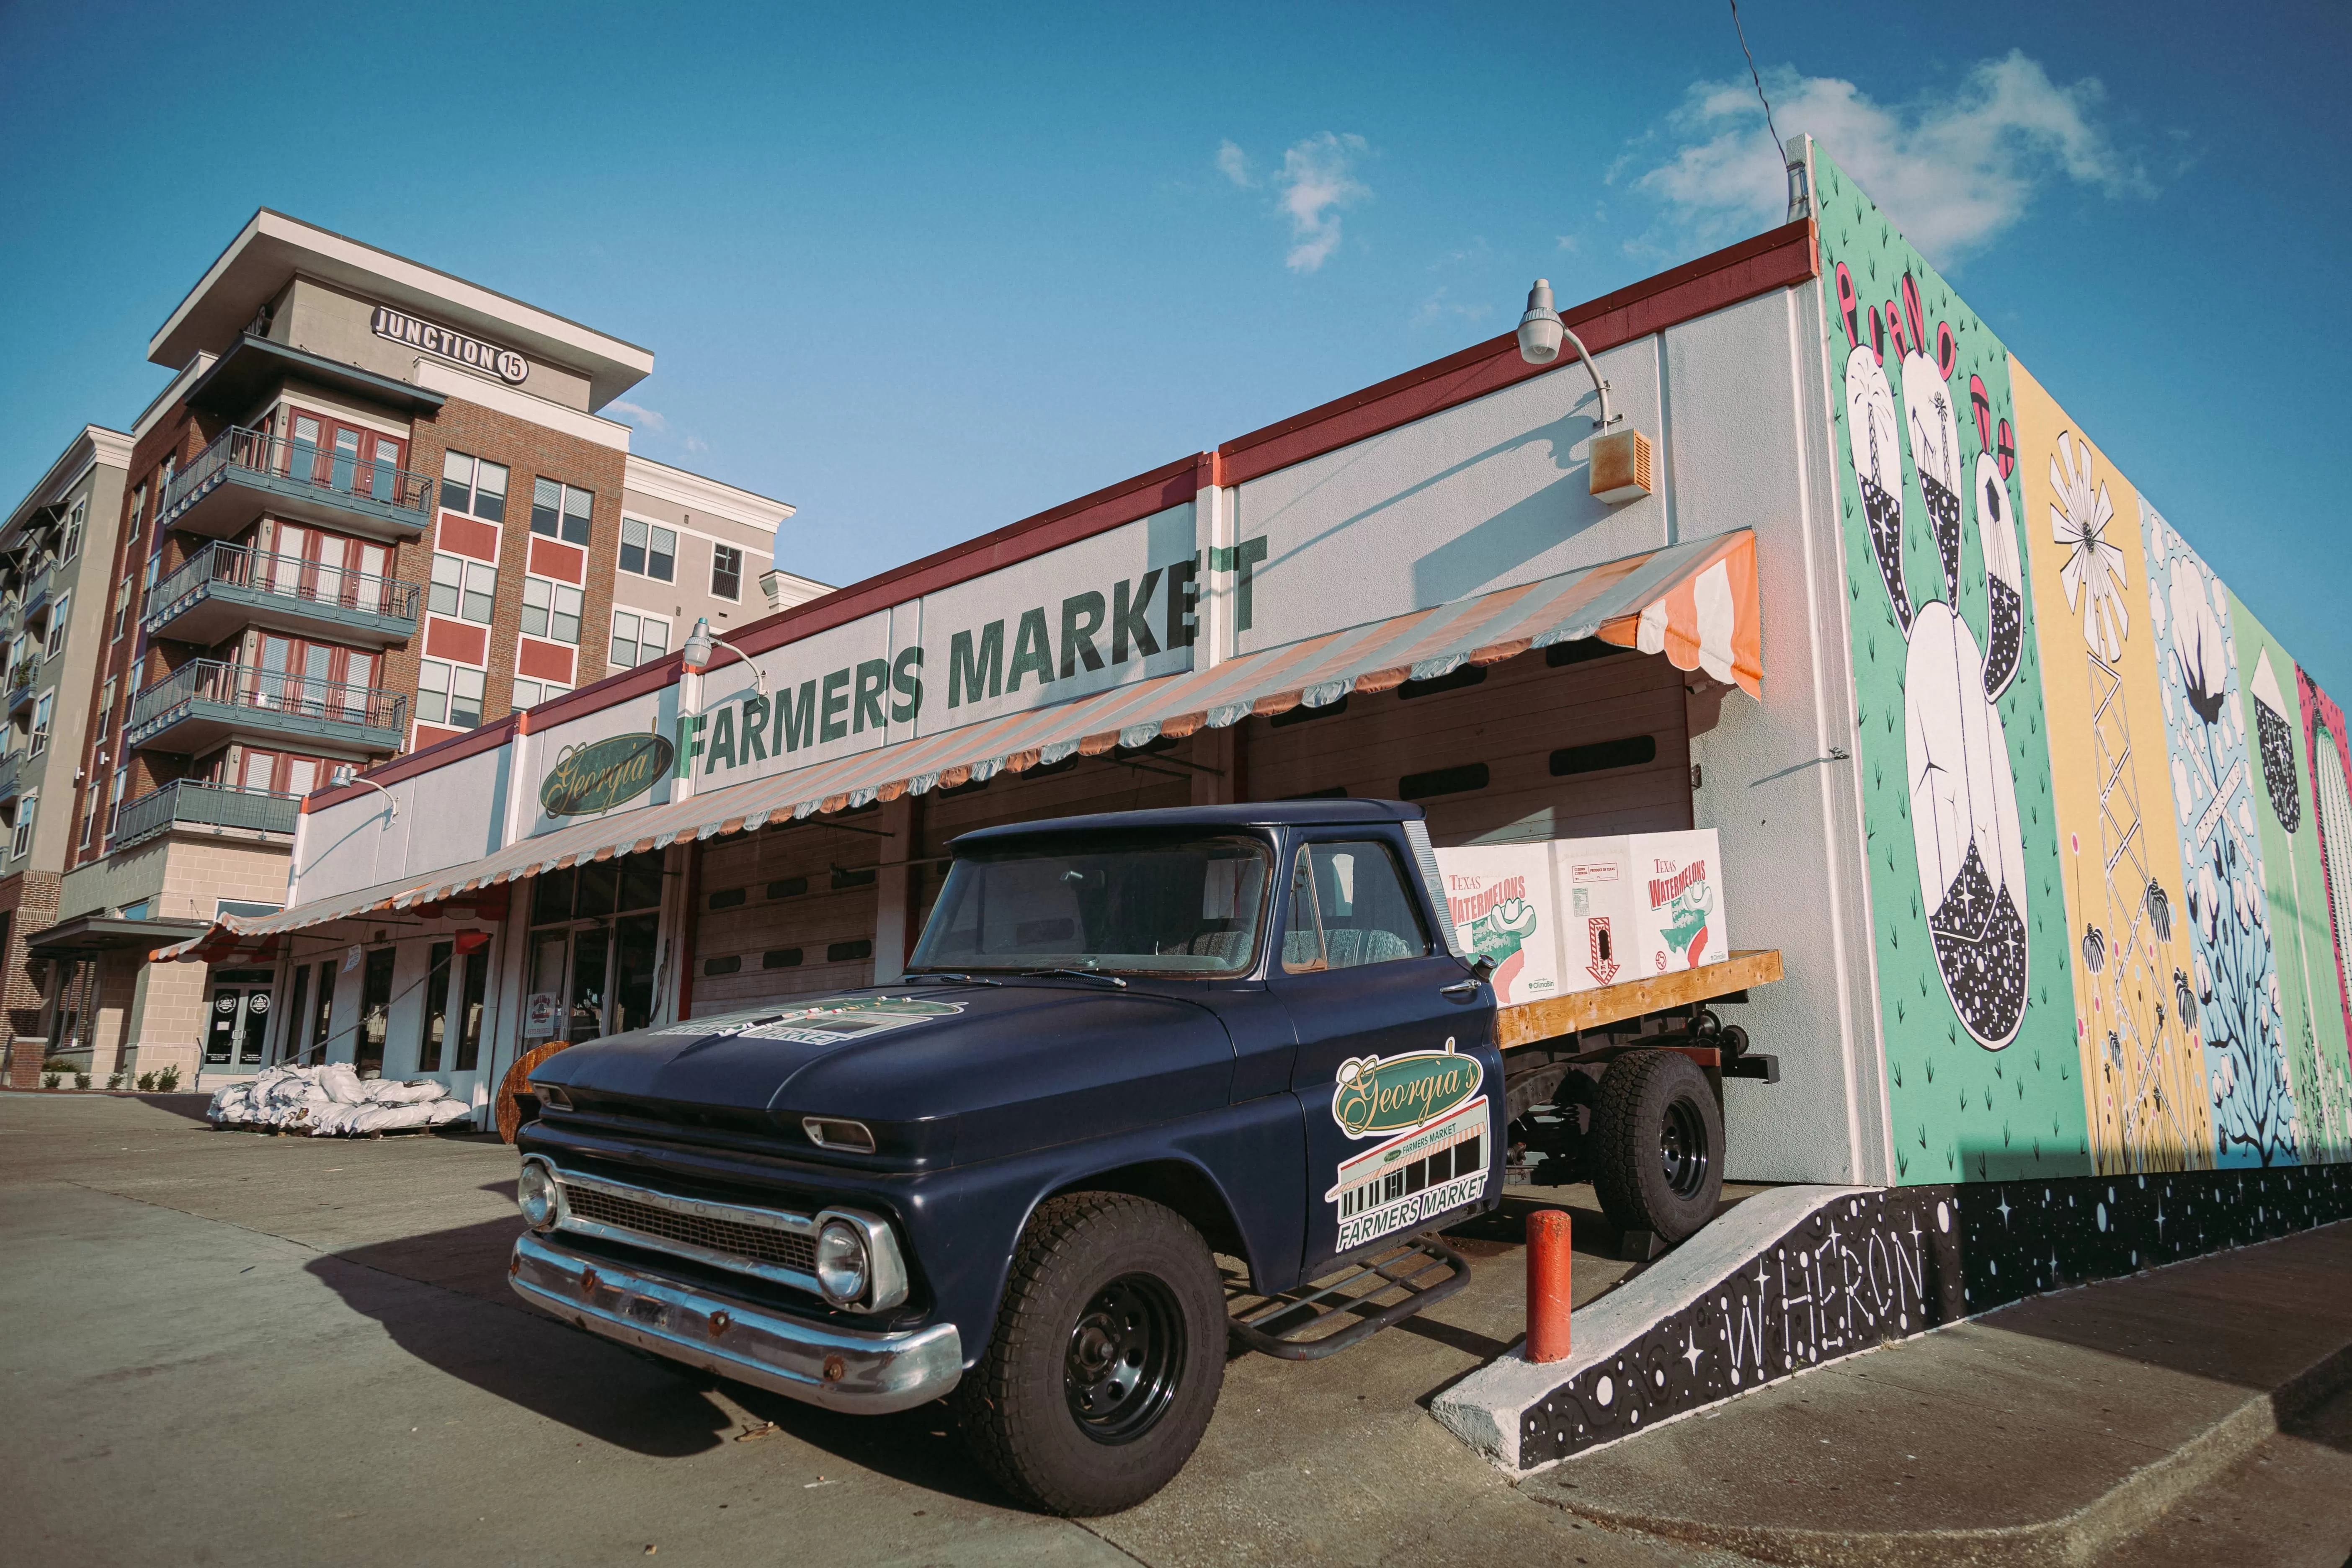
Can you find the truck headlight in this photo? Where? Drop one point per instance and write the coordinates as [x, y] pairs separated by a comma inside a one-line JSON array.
[[842, 1262], [535, 1194], [858, 1264]]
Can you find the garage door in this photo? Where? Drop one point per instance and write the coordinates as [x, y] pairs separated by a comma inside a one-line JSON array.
[[787, 912], [1578, 740]]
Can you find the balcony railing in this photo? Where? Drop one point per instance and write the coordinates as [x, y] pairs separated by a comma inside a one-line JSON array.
[[282, 463], [27, 670], [189, 802], [11, 774], [247, 571], [267, 691]]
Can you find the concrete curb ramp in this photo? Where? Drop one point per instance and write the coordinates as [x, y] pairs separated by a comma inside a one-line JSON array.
[[2079, 1537]]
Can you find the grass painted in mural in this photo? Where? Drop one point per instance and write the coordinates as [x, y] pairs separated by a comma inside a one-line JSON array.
[[1982, 1068], [2235, 985], [2319, 1071]]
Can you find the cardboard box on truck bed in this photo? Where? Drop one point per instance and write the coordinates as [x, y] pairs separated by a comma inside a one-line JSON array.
[[1572, 914]]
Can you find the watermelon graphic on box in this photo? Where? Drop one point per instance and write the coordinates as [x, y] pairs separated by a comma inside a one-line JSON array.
[[1640, 905], [1502, 899]]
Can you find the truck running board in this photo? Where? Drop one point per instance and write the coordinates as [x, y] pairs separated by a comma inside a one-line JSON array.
[[1296, 1324]]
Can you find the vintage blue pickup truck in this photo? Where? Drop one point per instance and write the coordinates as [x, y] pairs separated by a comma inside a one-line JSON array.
[[1124, 1045]]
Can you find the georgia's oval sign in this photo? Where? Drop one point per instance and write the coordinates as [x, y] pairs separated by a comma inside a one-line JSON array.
[[1375, 1097], [603, 773]]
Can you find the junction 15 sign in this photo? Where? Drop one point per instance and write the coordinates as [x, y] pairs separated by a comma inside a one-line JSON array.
[[505, 364]]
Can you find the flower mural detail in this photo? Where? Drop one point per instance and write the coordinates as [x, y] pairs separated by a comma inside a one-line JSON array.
[[2094, 573], [2277, 739], [2235, 987]]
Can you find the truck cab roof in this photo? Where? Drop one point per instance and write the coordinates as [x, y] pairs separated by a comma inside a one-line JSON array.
[[1248, 814]]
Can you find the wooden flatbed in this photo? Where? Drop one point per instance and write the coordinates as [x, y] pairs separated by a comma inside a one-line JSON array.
[[1529, 1023]]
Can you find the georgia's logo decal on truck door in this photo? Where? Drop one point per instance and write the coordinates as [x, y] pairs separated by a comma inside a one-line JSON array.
[[1425, 1108]]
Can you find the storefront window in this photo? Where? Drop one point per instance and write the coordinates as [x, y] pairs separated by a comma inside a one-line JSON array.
[[436, 1007], [240, 1017], [593, 947], [375, 1011]]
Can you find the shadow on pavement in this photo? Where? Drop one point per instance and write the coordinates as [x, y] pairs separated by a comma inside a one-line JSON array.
[[190, 1106], [614, 1394]]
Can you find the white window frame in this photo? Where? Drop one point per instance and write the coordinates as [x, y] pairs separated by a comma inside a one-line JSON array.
[[563, 512], [550, 609], [718, 552], [74, 531], [54, 643], [652, 533], [122, 608], [473, 467], [636, 640], [542, 691], [138, 511], [22, 844], [44, 714], [472, 579], [453, 679], [115, 799]]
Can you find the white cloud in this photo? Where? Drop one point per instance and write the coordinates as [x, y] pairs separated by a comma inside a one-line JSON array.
[[1439, 306], [639, 418], [1953, 170], [1315, 184]]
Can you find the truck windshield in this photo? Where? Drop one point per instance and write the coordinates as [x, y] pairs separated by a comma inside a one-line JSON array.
[[1176, 906]]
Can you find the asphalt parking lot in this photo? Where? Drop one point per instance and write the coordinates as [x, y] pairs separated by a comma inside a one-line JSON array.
[[233, 1348]]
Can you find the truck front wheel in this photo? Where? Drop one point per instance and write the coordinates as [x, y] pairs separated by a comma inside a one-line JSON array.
[[1656, 1151], [1107, 1357]]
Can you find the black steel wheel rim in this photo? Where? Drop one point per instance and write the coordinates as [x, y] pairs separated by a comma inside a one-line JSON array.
[[1683, 1151], [1126, 1354]]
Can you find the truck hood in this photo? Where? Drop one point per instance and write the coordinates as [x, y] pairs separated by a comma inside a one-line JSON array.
[[976, 1070]]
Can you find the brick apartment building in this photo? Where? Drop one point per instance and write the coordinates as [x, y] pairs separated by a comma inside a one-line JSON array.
[[51, 628], [376, 506]]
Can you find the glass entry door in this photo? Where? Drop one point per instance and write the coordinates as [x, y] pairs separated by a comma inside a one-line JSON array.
[[240, 1019], [592, 974]]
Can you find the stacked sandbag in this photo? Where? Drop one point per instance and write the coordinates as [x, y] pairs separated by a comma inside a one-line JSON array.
[[334, 1101]]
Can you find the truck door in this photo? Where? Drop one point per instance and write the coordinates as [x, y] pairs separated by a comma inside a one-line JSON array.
[[1399, 1090]]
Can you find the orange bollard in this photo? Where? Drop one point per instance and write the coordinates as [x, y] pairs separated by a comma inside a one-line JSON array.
[[1548, 1262]]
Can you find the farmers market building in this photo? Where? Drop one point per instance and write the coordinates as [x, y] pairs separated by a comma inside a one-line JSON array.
[[2055, 840]]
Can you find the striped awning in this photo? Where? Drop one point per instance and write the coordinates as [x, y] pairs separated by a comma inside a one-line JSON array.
[[1695, 603]]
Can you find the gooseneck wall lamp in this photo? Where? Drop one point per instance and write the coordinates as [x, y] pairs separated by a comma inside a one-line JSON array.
[[1620, 459], [699, 645]]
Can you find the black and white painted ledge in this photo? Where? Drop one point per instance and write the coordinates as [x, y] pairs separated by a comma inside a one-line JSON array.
[[1798, 1277]]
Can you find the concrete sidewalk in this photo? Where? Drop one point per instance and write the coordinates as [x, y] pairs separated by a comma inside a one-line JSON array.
[[2053, 1431]]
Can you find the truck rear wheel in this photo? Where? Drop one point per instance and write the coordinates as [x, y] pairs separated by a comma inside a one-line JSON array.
[[1107, 1357], [1657, 1149]]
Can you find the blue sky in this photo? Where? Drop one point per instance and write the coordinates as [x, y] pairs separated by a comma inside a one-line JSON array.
[[924, 273]]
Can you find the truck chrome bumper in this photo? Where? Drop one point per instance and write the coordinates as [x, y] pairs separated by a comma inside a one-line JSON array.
[[840, 1369]]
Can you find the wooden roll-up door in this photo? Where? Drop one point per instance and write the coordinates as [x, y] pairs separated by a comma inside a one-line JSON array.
[[1575, 742], [787, 912], [1077, 787]]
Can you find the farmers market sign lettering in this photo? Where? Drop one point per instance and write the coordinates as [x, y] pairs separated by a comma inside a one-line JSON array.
[[1375, 1097], [603, 773]]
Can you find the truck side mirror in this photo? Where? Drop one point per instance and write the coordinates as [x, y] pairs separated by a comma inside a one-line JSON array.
[[1482, 966]]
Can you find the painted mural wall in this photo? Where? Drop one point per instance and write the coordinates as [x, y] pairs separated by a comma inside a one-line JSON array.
[[1984, 1078], [2109, 824]]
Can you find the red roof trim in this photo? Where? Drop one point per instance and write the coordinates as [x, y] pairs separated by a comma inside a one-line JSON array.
[[1785, 257]]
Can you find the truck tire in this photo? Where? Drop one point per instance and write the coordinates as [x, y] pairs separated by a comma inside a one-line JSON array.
[[1656, 1146], [1107, 1357]]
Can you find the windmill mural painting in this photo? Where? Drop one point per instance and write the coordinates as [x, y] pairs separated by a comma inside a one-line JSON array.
[[2235, 985], [2142, 1076]]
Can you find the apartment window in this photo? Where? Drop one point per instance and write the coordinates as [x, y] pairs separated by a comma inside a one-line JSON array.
[[726, 572], [637, 638], [164, 482], [474, 485], [648, 550], [74, 529], [154, 569], [550, 609], [41, 712], [58, 625], [121, 607], [106, 707], [115, 798], [23, 842], [528, 693], [449, 694], [138, 510], [561, 512], [464, 588]]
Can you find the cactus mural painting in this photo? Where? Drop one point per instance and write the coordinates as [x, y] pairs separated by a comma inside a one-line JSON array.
[[1982, 1070], [2331, 767]]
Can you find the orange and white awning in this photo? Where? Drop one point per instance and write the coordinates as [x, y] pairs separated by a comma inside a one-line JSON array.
[[1695, 602]]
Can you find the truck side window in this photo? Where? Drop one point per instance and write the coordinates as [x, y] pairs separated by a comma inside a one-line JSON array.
[[1348, 907]]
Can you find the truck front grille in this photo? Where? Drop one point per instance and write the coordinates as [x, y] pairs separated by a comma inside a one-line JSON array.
[[761, 1241]]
